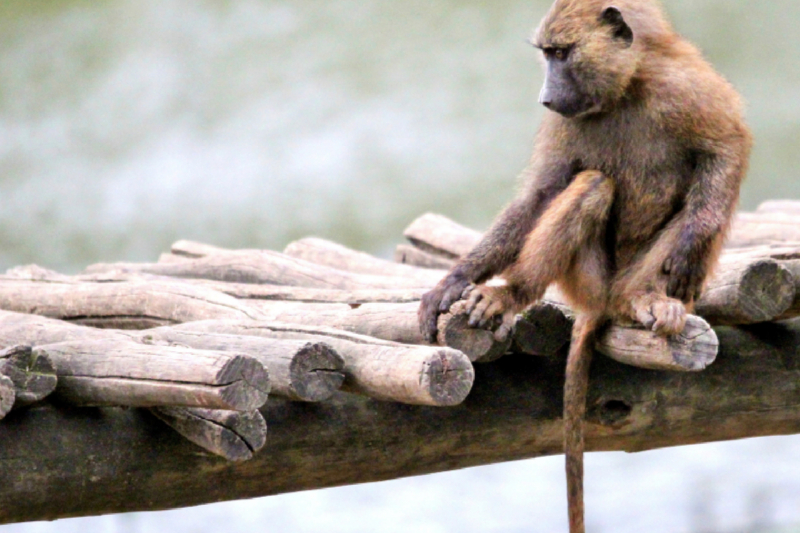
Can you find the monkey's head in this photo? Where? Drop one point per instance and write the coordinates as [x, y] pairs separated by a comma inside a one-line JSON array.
[[593, 50]]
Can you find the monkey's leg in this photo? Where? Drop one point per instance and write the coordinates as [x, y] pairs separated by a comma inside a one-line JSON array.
[[576, 218], [639, 294]]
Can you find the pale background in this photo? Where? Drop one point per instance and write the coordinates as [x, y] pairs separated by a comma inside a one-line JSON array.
[[128, 124]]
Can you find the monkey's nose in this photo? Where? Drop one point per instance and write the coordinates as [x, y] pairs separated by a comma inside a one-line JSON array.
[[545, 98]]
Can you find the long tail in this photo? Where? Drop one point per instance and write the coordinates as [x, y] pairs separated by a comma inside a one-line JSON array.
[[575, 390]]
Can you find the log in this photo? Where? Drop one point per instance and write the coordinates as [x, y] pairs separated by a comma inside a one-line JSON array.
[[261, 266], [769, 207], [133, 462], [751, 229], [193, 250], [743, 292], [124, 305], [232, 435], [408, 254], [439, 235], [242, 291], [391, 322], [309, 371], [33, 374], [417, 375], [246, 291], [113, 372], [479, 345], [691, 351], [7, 395], [544, 329], [327, 253]]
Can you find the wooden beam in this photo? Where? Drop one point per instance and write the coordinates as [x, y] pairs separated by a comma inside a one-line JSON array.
[[133, 462]]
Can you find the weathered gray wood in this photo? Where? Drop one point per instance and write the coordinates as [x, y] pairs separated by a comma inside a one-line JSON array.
[[193, 249], [247, 291], [324, 252], [132, 462], [234, 435], [262, 266], [242, 291], [477, 344], [691, 351], [409, 254], [544, 329], [751, 229], [301, 370], [391, 322], [7, 395], [33, 374], [747, 292], [779, 206], [419, 375], [113, 372], [123, 305], [439, 235]]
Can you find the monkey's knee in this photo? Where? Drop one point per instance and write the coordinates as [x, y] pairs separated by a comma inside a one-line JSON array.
[[596, 191]]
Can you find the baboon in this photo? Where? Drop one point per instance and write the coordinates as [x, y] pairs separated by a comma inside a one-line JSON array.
[[631, 187]]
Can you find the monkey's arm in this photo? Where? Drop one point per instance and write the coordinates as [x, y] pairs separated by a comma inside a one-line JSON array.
[[703, 222], [498, 248]]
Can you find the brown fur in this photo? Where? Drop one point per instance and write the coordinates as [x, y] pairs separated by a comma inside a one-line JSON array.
[[625, 208]]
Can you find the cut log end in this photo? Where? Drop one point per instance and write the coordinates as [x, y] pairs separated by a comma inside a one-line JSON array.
[[7, 395], [748, 293], [32, 373], [233, 435], [691, 351], [767, 290], [543, 330], [479, 345], [449, 376], [247, 381], [316, 373]]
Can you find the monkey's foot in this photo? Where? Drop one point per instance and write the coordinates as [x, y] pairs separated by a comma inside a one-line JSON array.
[[488, 304], [665, 316]]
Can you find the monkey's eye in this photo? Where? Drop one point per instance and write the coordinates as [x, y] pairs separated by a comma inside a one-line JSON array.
[[559, 54]]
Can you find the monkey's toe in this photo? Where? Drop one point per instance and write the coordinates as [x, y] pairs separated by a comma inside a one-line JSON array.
[[670, 315]]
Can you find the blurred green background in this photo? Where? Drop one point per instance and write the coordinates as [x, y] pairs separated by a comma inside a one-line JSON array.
[[125, 125], [128, 124]]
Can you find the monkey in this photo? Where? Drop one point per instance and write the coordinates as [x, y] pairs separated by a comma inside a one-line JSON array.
[[628, 196]]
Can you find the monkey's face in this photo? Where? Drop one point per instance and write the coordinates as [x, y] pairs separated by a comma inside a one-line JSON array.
[[589, 61]]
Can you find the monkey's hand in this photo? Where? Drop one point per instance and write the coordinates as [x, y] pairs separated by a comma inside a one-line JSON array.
[[488, 304], [438, 301], [685, 277]]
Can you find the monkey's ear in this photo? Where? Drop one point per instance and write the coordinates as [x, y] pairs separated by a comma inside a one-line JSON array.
[[613, 17]]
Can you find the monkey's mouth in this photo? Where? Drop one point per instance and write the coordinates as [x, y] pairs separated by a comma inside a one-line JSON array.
[[578, 108]]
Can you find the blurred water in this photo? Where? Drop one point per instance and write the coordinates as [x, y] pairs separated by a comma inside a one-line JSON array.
[[126, 125]]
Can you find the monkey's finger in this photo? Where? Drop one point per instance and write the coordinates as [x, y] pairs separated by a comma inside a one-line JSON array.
[[645, 317], [495, 308], [667, 266], [467, 291], [506, 326], [474, 297], [476, 317]]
